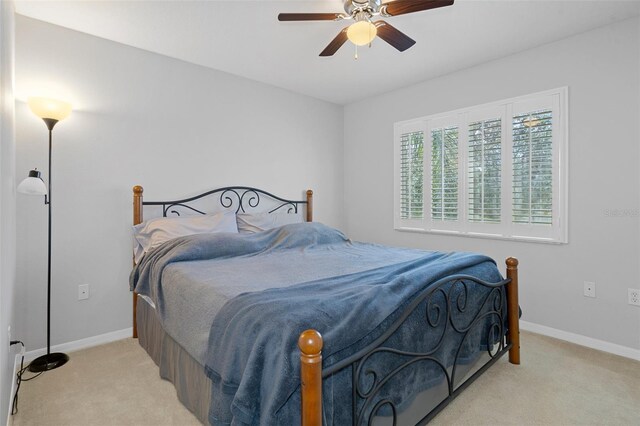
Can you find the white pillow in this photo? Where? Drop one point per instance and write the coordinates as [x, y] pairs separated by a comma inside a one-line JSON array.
[[249, 223], [151, 233]]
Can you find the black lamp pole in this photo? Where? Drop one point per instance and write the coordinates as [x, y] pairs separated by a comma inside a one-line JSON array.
[[56, 359]]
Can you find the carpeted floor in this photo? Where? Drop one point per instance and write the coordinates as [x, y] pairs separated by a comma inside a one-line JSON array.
[[558, 383]]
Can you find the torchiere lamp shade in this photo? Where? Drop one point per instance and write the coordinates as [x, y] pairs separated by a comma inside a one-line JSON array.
[[33, 185], [49, 108]]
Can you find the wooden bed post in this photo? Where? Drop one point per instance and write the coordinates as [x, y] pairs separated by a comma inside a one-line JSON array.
[[309, 205], [137, 218], [310, 344], [513, 311]]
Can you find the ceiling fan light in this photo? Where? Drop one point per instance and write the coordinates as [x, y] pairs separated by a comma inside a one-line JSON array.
[[362, 33]]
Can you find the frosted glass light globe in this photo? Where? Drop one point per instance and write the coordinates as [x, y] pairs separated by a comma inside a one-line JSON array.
[[361, 33], [33, 185]]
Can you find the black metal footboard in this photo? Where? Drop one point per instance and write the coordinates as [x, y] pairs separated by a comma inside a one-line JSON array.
[[442, 338]]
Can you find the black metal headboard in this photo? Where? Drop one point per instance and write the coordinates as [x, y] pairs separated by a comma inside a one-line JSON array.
[[242, 198]]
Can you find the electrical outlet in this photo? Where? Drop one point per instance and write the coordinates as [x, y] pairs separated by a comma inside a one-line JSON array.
[[589, 289], [83, 291], [634, 296]]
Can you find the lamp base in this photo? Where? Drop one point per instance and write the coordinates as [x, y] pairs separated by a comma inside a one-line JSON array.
[[48, 362]]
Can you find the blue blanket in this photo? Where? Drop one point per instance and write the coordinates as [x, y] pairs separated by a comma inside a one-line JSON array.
[[252, 356], [253, 359], [189, 279]]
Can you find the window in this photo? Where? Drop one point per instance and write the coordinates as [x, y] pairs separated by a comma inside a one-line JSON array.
[[411, 175], [495, 170], [444, 174], [484, 164], [533, 168]]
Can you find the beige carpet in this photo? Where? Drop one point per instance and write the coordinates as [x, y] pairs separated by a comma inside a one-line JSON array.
[[558, 383]]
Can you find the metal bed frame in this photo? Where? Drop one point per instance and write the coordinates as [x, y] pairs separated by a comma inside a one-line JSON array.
[[498, 314]]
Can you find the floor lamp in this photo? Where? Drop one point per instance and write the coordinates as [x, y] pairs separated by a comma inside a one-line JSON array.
[[51, 111]]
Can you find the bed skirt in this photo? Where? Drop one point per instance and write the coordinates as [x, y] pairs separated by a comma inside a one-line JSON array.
[[175, 363], [193, 387]]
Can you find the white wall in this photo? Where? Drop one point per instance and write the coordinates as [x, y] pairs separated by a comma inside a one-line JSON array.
[[602, 70], [7, 206], [142, 118]]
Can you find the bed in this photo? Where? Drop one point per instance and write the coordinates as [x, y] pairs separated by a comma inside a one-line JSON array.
[[298, 324]]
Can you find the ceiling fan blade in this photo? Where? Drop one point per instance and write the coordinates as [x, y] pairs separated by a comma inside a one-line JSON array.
[[402, 7], [393, 36], [309, 16], [336, 43]]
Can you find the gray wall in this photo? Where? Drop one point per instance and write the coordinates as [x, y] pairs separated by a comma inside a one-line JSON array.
[[146, 119], [601, 68], [7, 207]]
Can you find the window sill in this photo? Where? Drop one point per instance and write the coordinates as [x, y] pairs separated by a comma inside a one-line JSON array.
[[525, 239]]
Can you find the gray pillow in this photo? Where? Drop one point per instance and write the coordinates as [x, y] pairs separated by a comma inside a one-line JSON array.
[[152, 233], [249, 223]]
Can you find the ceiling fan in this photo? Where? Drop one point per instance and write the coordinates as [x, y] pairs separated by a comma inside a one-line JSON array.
[[364, 30]]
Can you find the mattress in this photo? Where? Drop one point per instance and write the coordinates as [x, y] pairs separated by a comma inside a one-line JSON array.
[[193, 291]]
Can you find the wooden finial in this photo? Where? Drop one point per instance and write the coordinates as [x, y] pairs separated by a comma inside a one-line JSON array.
[[138, 189], [310, 342], [512, 262]]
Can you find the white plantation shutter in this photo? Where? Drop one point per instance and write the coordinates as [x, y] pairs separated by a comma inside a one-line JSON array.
[[444, 174], [533, 168], [497, 170], [484, 171], [411, 175]]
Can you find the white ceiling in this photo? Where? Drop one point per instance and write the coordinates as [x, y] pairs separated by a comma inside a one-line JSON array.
[[245, 37]]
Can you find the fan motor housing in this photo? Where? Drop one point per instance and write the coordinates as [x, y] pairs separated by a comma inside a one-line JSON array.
[[351, 6]]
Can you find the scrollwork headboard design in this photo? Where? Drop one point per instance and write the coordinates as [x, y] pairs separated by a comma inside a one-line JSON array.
[[240, 198]]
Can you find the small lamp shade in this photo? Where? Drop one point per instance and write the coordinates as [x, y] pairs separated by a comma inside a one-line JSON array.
[[33, 185], [49, 108]]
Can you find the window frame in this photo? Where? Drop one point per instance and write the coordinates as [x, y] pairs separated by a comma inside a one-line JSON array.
[[507, 229]]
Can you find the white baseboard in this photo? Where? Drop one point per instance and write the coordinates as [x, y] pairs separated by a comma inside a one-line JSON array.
[[100, 339], [581, 340]]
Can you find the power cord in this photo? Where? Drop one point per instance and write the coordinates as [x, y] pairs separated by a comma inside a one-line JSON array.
[[19, 379]]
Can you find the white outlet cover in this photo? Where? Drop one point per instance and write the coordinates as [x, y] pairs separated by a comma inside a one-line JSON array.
[[83, 291], [634, 296], [589, 289]]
